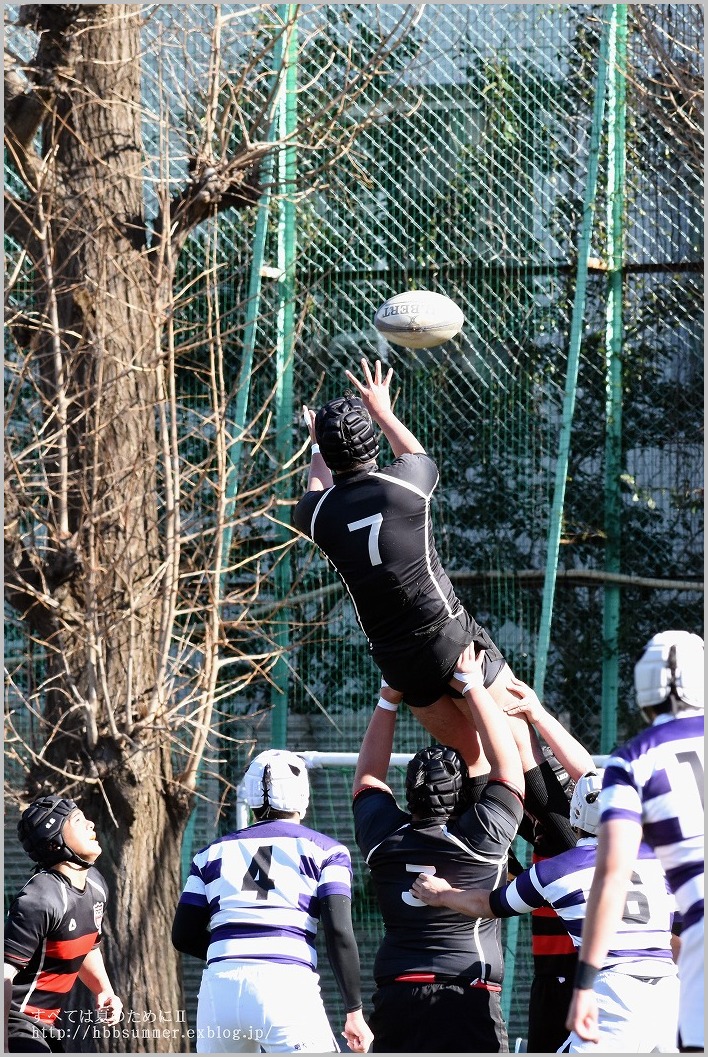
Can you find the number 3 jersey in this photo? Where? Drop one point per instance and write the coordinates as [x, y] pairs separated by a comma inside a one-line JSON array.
[[469, 852], [375, 529], [262, 886], [642, 944]]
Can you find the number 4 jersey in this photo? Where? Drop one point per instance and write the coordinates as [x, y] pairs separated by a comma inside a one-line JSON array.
[[262, 886]]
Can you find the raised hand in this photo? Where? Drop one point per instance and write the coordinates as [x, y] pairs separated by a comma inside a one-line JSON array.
[[375, 390]]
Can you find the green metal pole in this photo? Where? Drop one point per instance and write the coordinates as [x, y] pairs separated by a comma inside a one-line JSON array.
[[616, 100], [576, 327], [240, 406], [287, 247], [253, 308]]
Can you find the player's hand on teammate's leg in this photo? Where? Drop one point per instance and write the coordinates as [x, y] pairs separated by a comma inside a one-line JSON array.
[[469, 673], [524, 701], [394, 697]]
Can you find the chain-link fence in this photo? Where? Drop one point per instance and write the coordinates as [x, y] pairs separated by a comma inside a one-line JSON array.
[[471, 174]]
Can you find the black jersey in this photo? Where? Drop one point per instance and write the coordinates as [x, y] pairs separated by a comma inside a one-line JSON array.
[[50, 928], [470, 852], [375, 529]]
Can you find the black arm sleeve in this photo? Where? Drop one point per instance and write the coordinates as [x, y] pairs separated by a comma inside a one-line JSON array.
[[342, 951], [190, 930], [547, 802]]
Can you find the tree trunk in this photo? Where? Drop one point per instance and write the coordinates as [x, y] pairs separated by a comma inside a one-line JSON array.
[[99, 350]]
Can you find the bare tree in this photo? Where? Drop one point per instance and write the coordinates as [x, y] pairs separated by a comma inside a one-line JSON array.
[[117, 506], [669, 79]]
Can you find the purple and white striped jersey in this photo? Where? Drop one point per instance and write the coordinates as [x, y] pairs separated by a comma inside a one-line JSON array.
[[263, 886], [641, 945], [656, 780]]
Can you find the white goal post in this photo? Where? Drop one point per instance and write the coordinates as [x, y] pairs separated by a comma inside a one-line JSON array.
[[314, 760]]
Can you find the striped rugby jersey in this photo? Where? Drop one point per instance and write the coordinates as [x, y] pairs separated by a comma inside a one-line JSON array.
[[642, 944], [656, 780], [262, 886], [50, 928]]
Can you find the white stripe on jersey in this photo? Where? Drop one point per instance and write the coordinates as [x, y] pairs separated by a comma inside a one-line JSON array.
[[564, 881], [656, 779], [405, 484], [426, 496], [317, 508], [263, 885]]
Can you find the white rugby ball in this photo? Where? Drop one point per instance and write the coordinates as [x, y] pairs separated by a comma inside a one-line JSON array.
[[419, 319]]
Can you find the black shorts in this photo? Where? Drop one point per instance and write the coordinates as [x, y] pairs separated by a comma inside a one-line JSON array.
[[437, 1018], [422, 671], [27, 1035], [549, 1001]]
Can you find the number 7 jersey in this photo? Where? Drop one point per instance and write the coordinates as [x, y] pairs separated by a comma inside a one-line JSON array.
[[263, 886], [375, 529]]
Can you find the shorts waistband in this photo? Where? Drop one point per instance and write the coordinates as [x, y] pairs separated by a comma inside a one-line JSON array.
[[438, 978]]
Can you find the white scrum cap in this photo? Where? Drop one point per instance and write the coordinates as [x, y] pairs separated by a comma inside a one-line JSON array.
[[585, 802], [671, 661], [278, 779]]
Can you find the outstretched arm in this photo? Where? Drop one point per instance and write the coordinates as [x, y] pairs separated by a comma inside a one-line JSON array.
[[375, 751], [617, 849], [375, 392], [491, 723], [567, 750], [436, 892]]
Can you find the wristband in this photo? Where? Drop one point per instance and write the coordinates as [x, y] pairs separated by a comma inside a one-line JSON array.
[[387, 705], [315, 449], [585, 976], [472, 680]]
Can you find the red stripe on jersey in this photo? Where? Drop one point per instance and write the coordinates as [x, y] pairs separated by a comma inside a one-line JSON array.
[[544, 912], [47, 1016], [68, 949], [56, 983], [552, 944]]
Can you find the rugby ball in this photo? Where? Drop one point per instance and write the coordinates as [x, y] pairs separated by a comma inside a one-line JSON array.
[[419, 319]]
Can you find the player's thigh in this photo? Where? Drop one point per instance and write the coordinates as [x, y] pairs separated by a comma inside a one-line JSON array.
[[262, 1007], [295, 1017], [221, 1025], [525, 736], [449, 722]]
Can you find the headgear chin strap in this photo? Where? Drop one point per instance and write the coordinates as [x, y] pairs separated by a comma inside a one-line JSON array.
[[40, 832]]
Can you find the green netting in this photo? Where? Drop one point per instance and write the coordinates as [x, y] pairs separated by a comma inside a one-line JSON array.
[[469, 178]]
